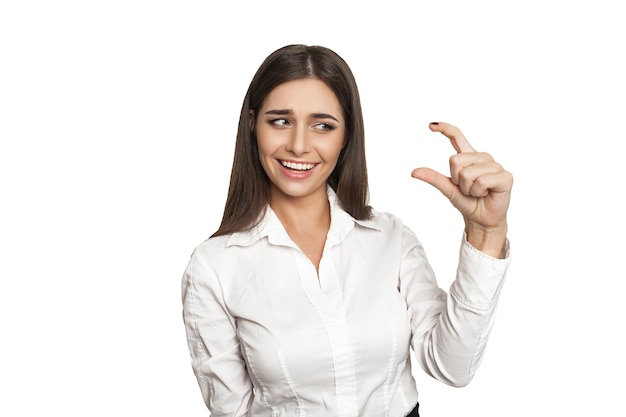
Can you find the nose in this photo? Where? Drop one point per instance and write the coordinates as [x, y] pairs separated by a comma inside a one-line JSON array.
[[299, 141]]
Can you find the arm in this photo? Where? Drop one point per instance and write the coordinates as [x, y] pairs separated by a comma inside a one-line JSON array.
[[213, 344], [450, 333]]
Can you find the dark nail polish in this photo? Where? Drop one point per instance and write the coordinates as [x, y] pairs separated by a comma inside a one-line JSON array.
[[434, 123]]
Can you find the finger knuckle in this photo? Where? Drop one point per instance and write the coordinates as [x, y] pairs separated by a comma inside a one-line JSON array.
[[481, 182], [464, 175]]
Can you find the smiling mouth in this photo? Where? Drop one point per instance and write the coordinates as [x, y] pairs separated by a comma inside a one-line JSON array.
[[297, 166]]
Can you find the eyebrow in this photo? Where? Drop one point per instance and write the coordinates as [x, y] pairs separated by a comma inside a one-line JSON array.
[[283, 112]]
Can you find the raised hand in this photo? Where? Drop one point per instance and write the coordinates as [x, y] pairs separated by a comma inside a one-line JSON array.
[[478, 187]]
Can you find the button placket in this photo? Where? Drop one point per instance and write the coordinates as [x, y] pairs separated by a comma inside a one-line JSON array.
[[325, 295]]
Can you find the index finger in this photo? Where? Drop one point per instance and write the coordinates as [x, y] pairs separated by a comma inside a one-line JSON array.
[[458, 140]]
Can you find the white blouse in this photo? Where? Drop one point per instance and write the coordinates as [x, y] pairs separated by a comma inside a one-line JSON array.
[[268, 336]]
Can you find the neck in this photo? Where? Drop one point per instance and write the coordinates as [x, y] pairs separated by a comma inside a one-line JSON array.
[[302, 213]]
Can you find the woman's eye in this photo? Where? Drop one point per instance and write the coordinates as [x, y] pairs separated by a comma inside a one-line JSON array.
[[324, 126], [279, 122]]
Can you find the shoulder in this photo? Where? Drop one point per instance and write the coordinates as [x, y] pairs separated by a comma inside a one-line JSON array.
[[226, 254], [211, 246], [390, 224], [386, 221], [209, 253]]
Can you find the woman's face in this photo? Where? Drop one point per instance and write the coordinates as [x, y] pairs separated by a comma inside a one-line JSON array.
[[300, 132]]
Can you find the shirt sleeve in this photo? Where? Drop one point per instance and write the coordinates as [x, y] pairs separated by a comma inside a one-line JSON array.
[[213, 343], [450, 331]]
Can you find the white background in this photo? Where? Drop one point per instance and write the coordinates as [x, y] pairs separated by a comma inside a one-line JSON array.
[[117, 126]]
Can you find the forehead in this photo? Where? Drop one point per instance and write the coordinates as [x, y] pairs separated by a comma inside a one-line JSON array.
[[306, 94]]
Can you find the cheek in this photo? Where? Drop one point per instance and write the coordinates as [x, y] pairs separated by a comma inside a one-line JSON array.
[[267, 145], [270, 140], [332, 148], [263, 154], [264, 143]]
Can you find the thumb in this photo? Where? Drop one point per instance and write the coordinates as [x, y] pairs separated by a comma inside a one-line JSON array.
[[437, 180]]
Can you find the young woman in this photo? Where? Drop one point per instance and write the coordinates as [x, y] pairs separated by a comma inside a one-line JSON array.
[[306, 301]]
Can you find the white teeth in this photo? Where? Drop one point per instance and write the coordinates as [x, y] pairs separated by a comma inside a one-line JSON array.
[[297, 166]]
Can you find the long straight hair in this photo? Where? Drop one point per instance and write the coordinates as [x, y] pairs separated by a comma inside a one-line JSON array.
[[249, 190]]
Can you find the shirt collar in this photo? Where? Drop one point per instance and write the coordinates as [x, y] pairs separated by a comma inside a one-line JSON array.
[[341, 224]]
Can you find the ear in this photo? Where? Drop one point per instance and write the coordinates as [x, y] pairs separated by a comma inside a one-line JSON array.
[[252, 121]]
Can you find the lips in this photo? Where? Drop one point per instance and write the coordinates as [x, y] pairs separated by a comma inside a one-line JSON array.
[[298, 166]]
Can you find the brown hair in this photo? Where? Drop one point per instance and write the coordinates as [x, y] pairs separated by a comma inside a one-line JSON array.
[[248, 193]]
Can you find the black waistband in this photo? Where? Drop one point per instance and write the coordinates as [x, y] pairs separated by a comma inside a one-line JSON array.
[[415, 411]]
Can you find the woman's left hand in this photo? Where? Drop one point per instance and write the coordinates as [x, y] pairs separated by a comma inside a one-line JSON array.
[[478, 187]]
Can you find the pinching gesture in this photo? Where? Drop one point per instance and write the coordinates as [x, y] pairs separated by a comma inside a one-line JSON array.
[[478, 187]]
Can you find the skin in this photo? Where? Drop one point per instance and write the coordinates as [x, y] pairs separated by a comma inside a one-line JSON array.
[[301, 122], [478, 187]]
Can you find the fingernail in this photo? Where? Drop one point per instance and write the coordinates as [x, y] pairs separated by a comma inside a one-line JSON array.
[[434, 123]]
